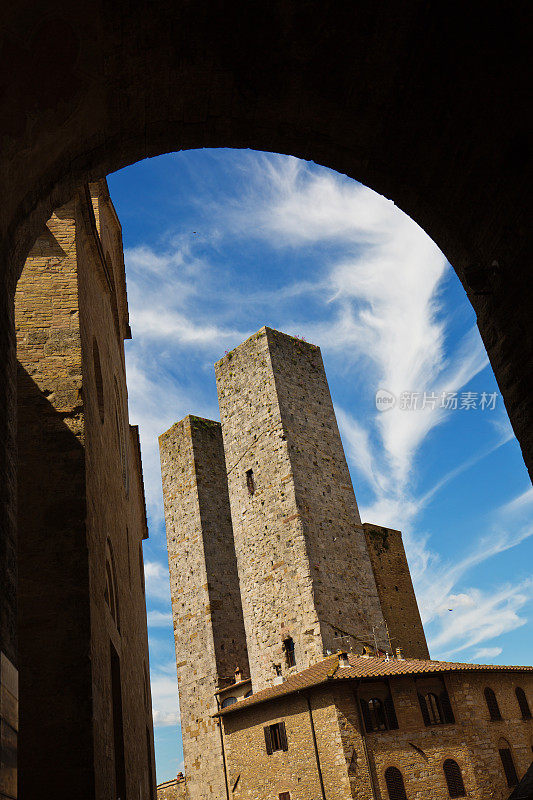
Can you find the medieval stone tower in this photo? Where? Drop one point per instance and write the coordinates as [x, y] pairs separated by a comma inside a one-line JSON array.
[[270, 565], [206, 605], [306, 577]]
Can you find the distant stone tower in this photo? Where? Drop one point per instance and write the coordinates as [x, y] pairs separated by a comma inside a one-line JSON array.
[[206, 607], [395, 590], [306, 579]]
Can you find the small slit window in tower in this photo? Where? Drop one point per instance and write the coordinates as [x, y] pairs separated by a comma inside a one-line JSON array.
[[250, 483], [288, 646]]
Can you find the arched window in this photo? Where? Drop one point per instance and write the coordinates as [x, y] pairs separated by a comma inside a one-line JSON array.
[[228, 701], [436, 709], [146, 688], [110, 593], [379, 714], [394, 781], [98, 380], [141, 566], [121, 434], [522, 702], [507, 762], [454, 779], [492, 704]]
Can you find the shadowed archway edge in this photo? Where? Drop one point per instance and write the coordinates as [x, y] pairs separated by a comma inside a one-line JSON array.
[[420, 102]]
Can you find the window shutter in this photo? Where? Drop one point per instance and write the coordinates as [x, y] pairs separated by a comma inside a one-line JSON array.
[[424, 709], [454, 778], [446, 706], [522, 702], [366, 716], [392, 721], [508, 767], [283, 736], [268, 740], [394, 781]]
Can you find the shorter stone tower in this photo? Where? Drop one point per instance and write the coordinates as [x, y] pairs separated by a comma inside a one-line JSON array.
[[395, 590], [206, 605]]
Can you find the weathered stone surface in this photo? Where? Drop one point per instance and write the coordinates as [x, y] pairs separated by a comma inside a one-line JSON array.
[[304, 568], [204, 586], [395, 589], [352, 762], [80, 510], [175, 789]]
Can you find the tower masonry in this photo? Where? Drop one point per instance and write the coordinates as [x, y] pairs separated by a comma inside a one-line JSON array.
[[306, 579], [206, 607], [395, 590]]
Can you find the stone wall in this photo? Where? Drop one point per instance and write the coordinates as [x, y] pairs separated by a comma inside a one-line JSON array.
[[208, 624], [395, 590], [175, 789], [419, 752], [353, 762], [303, 564], [81, 510]]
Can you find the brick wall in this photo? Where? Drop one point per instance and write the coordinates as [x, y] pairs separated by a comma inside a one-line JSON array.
[[303, 563], [208, 624]]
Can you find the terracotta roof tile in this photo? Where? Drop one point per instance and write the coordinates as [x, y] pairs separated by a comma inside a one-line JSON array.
[[359, 668]]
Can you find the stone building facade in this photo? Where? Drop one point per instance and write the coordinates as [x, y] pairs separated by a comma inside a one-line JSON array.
[[84, 692], [341, 699], [337, 745]]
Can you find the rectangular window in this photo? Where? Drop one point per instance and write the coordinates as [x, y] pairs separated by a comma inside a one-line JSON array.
[[275, 737], [250, 483], [284, 796]]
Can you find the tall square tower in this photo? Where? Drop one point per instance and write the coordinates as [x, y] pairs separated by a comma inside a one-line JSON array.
[[206, 604], [306, 579]]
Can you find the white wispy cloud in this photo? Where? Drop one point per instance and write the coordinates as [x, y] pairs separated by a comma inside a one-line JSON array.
[[486, 653], [165, 702], [157, 581]]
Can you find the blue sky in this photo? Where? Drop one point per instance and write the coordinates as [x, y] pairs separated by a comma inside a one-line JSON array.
[[219, 243]]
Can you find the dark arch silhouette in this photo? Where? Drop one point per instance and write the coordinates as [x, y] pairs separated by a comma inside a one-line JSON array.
[[416, 100]]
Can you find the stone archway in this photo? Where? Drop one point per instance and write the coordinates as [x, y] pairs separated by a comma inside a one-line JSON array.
[[415, 100]]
